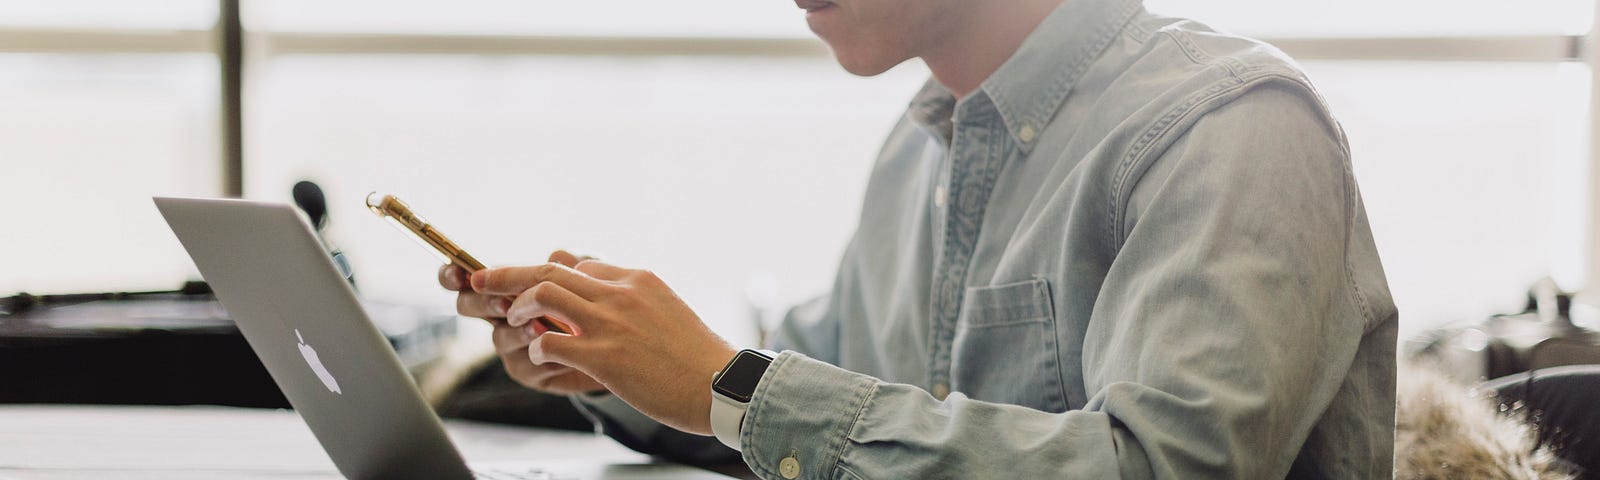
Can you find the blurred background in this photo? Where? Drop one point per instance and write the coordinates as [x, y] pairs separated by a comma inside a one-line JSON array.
[[715, 142]]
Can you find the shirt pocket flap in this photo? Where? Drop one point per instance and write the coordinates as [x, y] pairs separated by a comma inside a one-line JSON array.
[[1027, 301], [1004, 348]]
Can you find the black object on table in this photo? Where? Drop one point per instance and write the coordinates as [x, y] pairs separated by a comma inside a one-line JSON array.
[[171, 348]]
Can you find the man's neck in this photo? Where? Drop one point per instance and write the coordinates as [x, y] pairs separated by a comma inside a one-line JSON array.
[[986, 37]]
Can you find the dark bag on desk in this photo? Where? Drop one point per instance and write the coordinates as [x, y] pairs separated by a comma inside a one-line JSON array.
[[166, 349], [174, 350]]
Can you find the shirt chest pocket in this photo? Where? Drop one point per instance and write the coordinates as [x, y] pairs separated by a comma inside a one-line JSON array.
[[1005, 347]]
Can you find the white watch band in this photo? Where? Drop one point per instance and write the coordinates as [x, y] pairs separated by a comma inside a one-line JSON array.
[[727, 417]]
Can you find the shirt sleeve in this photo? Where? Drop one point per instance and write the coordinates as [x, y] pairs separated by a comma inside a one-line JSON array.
[[809, 327], [1222, 331]]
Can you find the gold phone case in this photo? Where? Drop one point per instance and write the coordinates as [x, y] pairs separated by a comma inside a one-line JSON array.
[[398, 213]]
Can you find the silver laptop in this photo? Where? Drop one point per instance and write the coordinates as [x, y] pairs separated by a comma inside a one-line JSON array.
[[339, 372]]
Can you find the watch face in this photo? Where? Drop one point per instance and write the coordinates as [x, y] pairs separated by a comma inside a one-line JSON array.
[[739, 380]]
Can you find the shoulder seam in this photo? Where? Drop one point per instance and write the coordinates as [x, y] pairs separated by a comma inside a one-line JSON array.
[[1185, 42], [1143, 149]]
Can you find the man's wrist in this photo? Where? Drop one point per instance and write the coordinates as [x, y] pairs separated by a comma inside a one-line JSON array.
[[732, 389]]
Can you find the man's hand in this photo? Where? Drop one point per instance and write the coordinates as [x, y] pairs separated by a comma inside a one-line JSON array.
[[511, 343], [631, 333]]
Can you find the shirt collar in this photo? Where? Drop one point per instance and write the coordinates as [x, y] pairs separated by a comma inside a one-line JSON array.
[[1029, 88], [934, 108]]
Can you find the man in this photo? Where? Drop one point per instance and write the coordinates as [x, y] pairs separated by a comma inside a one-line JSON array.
[[1100, 244]]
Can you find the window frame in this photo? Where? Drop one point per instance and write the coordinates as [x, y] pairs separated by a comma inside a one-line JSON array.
[[235, 46]]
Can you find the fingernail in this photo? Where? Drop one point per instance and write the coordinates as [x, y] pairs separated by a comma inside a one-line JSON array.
[[501, 305], [479, 278]]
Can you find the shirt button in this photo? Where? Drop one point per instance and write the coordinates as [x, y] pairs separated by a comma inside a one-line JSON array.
[[1026, 133], [940, 196], [940, 390], [789, 467]]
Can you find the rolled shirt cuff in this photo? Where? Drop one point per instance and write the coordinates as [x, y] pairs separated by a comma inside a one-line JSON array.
[[803, 408]]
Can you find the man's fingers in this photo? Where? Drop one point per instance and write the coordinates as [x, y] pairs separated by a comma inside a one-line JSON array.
[[514, 280], [509, 339], [601, 270], [453, 278], [525, 373], [552, 300], [564, 257], [569, 258], [555, 348], [540, 375], [575, 382], [550, 377], [470, 304]]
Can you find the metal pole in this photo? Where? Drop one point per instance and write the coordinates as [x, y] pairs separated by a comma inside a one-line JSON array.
[[230, 53], [1591, 46]]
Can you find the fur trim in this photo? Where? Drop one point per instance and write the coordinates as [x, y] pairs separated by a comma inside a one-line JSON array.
[[1446, 431]]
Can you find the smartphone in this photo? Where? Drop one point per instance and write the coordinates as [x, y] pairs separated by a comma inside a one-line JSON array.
[[399, 214]]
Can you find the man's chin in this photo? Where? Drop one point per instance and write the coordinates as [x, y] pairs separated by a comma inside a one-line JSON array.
[[866, 67]]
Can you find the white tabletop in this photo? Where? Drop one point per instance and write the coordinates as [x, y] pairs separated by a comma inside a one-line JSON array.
[[176, 443]]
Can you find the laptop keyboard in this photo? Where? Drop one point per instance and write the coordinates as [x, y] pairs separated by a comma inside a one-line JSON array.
[[517, 474]]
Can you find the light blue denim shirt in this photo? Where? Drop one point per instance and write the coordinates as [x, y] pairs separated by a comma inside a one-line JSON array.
[[1136, 251]]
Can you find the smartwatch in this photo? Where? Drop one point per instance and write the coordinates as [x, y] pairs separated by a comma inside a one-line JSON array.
[[731, 390]]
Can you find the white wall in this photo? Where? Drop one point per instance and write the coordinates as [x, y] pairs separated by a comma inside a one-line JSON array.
[[711, 172]]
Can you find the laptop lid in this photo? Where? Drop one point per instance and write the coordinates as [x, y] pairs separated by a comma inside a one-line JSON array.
[[306, 324]]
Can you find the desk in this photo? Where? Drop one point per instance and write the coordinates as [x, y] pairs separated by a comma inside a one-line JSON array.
[[179, 443]]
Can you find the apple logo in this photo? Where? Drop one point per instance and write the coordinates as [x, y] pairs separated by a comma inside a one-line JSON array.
[[316, 364]]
